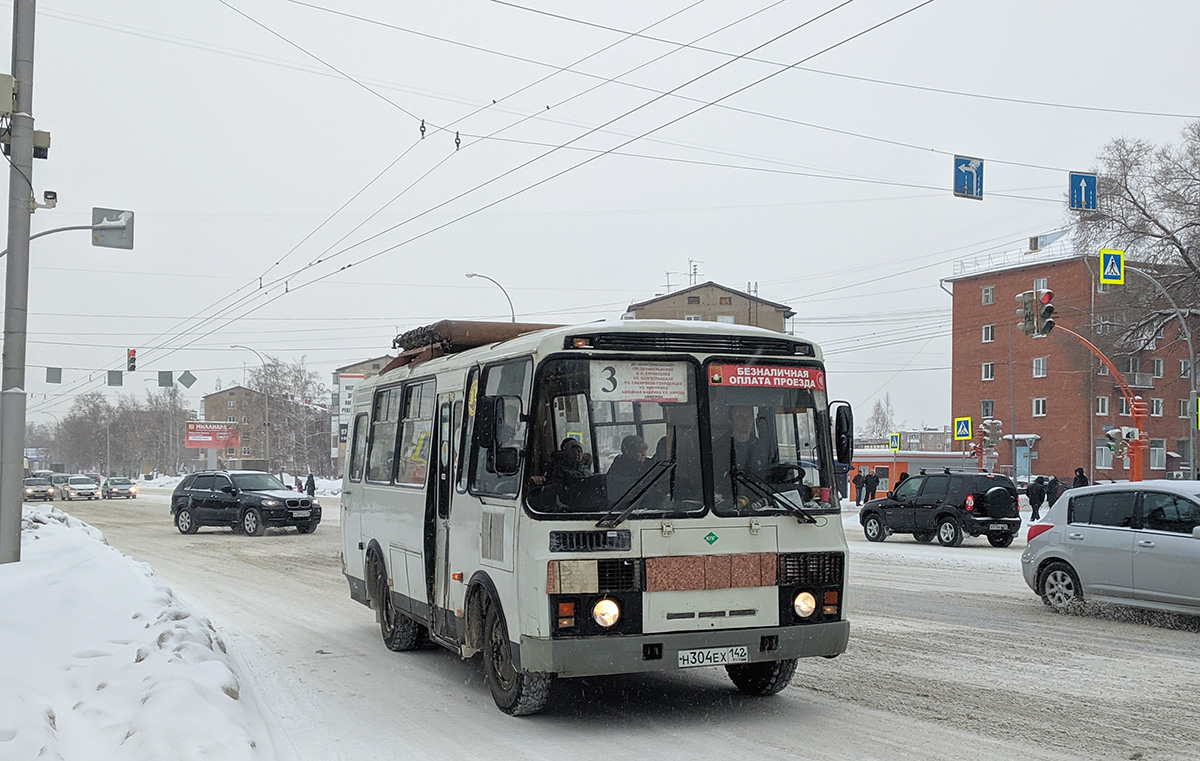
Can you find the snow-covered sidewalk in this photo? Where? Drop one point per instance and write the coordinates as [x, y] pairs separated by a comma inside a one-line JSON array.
[[102, 661]]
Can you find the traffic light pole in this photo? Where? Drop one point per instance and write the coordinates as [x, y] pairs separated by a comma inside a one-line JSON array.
[[16, 286], [1137, 407]]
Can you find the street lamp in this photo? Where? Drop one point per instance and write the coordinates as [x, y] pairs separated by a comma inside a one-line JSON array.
[[510, 304], [266, 407]]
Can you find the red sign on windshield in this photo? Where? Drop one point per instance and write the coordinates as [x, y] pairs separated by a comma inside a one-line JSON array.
[[767, 376]]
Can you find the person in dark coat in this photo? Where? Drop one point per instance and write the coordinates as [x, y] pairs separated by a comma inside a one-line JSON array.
[[310, 485], [871, 482], [628, 466], [1036, 492], [1053, 489], [1080, 479], [858, 488]]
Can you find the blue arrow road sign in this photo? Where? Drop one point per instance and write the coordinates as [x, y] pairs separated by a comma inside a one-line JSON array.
[[1081, 188], [968, 177]]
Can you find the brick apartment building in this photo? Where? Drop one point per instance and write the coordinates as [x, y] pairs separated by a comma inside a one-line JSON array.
[[1054, 398]]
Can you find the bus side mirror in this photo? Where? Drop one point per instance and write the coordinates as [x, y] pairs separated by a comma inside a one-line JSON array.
[[485, 421], [843, 432], [507, 461]]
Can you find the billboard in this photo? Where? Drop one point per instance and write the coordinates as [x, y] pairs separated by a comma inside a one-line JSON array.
[[211, 435]]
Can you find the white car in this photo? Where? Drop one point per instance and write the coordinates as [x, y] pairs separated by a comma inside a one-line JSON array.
[[1129, 543], [80, 487]]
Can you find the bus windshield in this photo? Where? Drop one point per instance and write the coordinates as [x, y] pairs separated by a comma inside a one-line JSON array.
[[769, 453], [615, 436]]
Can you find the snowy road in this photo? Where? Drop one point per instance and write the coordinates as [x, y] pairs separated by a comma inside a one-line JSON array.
[[950, 656]]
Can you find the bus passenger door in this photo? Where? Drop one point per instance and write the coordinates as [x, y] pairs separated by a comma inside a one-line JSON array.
[[442, 618]]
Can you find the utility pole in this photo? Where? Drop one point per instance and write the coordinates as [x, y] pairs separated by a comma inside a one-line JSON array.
[[16, 286]]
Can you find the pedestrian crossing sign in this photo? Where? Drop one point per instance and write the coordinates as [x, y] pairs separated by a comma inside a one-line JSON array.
[[894, 442], [962, 429], [1112, 267]]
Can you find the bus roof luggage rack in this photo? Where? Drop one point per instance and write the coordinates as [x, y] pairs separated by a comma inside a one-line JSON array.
[[451, 336], [732, 344]]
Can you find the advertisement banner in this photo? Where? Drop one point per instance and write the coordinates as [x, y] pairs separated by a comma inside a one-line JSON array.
[[767, 376], [211, 436]]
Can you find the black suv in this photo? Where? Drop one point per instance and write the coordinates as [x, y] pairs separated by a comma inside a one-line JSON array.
[[248, 501], [946, 505]]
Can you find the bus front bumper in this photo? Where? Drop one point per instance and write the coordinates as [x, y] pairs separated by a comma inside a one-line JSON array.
[[591, 656]]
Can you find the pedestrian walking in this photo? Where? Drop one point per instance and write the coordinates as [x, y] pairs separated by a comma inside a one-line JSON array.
[[1053, 489], [310, 485], [299, 485], [1036, 492], [858, 488], [872, 483], [1080, 479]]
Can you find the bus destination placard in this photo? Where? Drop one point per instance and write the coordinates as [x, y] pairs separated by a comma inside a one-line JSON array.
[[639, 381]]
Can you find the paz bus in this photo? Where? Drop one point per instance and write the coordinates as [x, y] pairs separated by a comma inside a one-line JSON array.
[[608, 498]]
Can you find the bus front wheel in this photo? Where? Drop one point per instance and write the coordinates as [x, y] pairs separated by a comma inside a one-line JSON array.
[[765, 678], [516, 693]]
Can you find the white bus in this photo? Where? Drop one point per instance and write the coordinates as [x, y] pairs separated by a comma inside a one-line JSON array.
[[606, 498]]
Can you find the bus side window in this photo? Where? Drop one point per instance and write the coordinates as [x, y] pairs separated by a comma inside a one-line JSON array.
[[384, 419], [416, 433], [511, 378], [358, 448]]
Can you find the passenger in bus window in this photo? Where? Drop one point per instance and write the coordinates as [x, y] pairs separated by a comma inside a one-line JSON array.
[[628, 466]]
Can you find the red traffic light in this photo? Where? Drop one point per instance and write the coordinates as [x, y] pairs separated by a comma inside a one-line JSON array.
[[131, 360], [1044, 297]]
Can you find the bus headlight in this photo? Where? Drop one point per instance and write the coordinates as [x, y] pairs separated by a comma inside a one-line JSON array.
[[804, 604], [606, 613]]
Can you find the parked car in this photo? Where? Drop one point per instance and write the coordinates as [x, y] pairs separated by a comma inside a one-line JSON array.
[[946, 505], [1129, 543], [118, 487], [38, 488], [248, 501], [80, 487]]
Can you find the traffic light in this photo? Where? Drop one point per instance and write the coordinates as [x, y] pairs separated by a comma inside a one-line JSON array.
[[1116, 440], [1027, 313], [131, 360], [1043, 311]]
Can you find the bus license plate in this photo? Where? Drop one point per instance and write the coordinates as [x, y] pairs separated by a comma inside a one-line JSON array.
[[714, 656], [301, 513]]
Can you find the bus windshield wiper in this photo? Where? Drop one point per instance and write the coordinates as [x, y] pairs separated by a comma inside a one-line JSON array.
[[656, 471], [763, 490]]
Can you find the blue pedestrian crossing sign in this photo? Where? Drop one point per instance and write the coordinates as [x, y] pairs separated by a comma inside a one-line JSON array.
[[1081, 189], [894, 442], [962, 429], [1112, 267], [968, 177]]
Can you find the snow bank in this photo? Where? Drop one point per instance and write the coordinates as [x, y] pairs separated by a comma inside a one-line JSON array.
[[102, 661]]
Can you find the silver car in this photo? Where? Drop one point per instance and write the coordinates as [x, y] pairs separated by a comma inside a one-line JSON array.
[[1129, 543]]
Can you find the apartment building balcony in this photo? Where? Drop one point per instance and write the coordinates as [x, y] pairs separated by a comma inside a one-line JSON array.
[[1140, 380]]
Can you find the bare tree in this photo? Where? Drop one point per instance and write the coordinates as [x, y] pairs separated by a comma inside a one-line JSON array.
[[882, 420], [1149, 198], [299, 407]]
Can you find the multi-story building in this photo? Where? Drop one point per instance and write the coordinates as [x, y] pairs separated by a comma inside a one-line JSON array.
[[344, 381], [1054, 398], [714, 303], [243, 406]]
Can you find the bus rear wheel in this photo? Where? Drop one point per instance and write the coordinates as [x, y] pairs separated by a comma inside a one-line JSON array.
[[766, 678], [516, 693], [399, 632]]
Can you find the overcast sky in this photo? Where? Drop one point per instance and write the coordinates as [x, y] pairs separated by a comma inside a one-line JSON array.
[[280, 140]]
